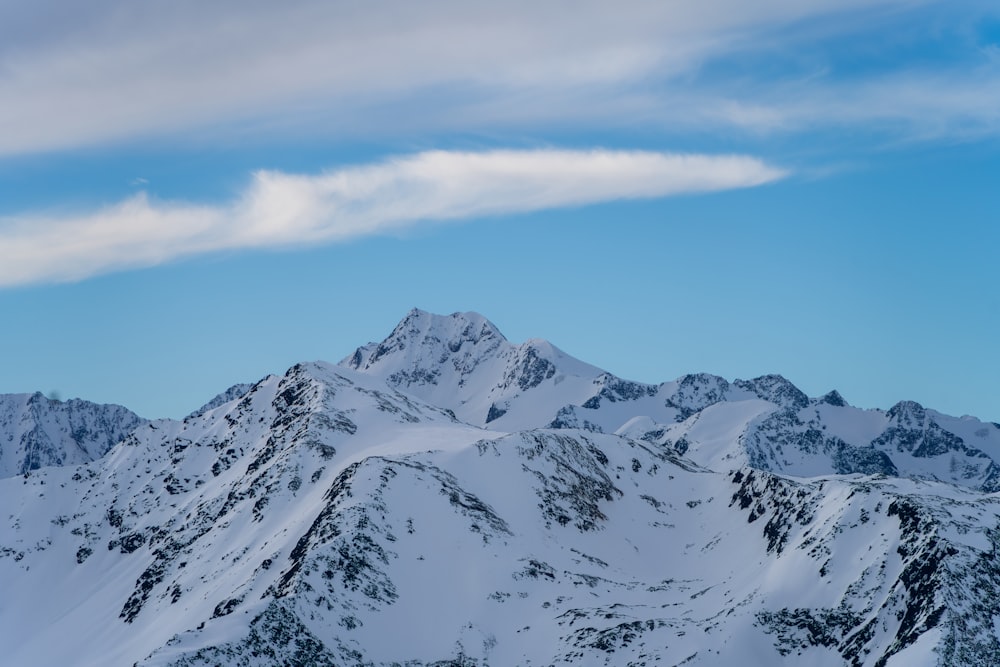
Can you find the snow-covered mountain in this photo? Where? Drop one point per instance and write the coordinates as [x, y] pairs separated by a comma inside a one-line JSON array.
[[36, 431], [462, 362], [447, 497]]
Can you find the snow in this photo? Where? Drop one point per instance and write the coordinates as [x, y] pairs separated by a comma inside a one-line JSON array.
[[369, 512], [850, 424]]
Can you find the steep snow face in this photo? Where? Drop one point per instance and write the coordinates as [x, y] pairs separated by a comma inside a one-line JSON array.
[[36, 431]]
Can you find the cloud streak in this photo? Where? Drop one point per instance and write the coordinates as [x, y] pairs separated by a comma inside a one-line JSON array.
[[907, 106], [282, 210], [118, 70]]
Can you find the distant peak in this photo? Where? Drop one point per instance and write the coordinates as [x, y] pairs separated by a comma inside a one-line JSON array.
[[695, 392], [414, 317], [231, 394], [775, 389], [416, 312], [833, 398], [907, 412], [417, 315], [702, 380], [469, 325], [423, 338]]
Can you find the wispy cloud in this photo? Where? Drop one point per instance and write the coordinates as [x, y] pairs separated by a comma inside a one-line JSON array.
[[908, 105], [118, 70], [279, 209]]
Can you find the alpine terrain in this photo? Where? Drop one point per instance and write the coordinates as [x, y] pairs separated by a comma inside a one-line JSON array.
[[447, 497]]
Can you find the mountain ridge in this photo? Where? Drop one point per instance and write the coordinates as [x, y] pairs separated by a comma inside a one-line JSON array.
[[36, 431], [464, 362], [305, 518]]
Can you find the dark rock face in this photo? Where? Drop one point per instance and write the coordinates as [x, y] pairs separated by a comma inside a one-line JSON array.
[[530, 370], [614, 389], [697, 392], [908, 414], [570, 417], [573, 494], [912, 432], [775, 389], [923, 443], [833, 398], [277, 636], [495, 413], [798, 629], [783, 502], [911, 592], [991, 479], [783, 436], [865, 460]]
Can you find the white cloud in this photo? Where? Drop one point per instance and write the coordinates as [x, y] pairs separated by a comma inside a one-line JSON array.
[[279, 209], [111, 70]]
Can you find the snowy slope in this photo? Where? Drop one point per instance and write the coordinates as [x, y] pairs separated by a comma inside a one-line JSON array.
[[369, 514]]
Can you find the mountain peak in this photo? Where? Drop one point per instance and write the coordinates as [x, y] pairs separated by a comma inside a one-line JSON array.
[[462, 361], [775, 389], [420, 334], [909, 413], [231, 394], [470, 321], [833, 398]]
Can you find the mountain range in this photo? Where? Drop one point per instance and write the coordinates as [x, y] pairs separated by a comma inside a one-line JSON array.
[[447, 497]]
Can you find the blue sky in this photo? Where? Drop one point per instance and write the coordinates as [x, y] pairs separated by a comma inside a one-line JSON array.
[[193, 196]]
